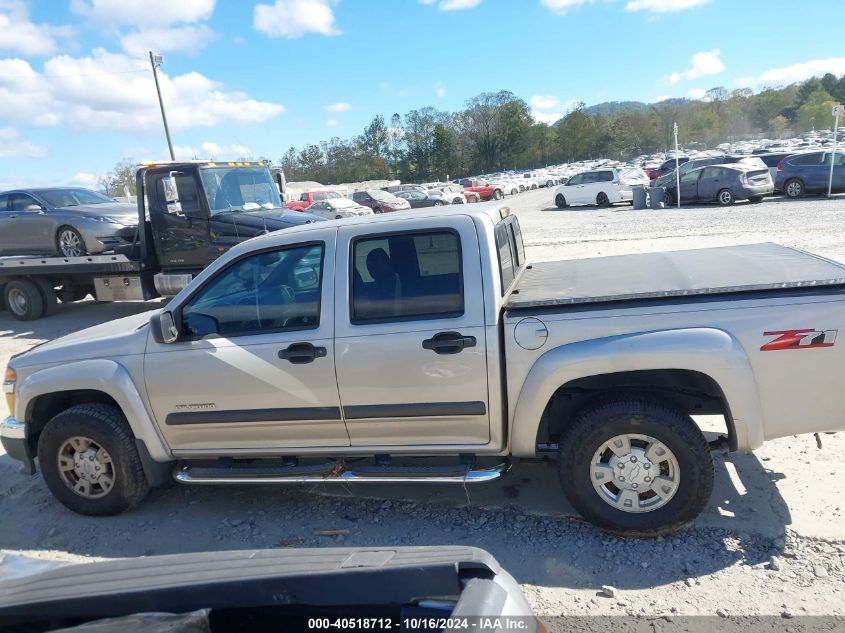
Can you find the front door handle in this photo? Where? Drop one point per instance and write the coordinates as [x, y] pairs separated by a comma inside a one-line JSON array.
[[448, 342], [301, 353]]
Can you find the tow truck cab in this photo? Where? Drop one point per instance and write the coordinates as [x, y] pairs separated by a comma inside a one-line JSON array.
[[189, 213]]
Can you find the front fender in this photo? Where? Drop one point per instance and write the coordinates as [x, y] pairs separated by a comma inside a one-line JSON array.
[[97, 375], [709, 351]]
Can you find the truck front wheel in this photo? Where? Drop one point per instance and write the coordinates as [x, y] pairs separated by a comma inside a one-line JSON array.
[[89, 460], [636, 465]]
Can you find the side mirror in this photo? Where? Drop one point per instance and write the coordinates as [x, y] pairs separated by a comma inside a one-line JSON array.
[[171, 194], [33, 208], [163, 328], [200, 325]]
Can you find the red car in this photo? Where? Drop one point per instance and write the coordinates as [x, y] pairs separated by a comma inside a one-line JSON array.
[[310, 197], [484, 190]]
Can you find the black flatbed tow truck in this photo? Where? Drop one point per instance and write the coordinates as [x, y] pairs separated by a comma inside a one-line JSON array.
[[189, 213]]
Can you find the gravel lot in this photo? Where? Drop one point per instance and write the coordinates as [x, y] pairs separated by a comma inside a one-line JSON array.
[[772, 541]]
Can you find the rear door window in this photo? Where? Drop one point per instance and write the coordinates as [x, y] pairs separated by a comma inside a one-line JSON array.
[[407, 276], [605, 176]]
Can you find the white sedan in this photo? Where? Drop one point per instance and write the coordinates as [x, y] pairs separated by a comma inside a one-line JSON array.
[[337, 208], [601, 187]]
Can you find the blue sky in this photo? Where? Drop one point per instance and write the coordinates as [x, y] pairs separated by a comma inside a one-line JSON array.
[[250, 78]]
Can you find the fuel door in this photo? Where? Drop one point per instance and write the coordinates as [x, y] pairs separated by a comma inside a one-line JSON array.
[[531, 333]]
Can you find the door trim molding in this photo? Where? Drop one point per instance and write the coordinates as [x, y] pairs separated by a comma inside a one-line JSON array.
[[414, 410], [235, 416]]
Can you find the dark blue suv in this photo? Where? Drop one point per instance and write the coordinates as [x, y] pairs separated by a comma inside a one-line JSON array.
[[809, 173]]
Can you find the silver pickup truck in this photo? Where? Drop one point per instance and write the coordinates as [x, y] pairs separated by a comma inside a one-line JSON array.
[[424, 347]]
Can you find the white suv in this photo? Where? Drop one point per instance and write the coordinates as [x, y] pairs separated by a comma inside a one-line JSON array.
[[601, 187]]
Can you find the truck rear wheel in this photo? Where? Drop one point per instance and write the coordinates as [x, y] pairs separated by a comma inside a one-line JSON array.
[[23, 300], [636, 465], [48, 295], [89, 460]]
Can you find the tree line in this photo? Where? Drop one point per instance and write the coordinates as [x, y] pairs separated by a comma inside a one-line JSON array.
[[495, 131]]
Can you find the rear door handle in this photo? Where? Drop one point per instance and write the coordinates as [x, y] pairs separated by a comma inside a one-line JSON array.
[[448, 342], [301, 353]]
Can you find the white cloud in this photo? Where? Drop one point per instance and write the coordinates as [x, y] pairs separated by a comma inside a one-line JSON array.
[[663, 6], [294, 18], [13, 146], [331, 122], [19, 35], [143, 14], [165, 39], [113, 91], [702, 64], [795, 72], [562, 6], [85, 179], [652, 6], [211, 151], [697, 93], [543, 102], [547, 117], [660, 98], [457, 5], [452, 5], [441, 91], [340, 106]]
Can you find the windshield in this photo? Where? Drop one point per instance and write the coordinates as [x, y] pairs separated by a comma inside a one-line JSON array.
[[381, 195], [239, 189], [71, 197]]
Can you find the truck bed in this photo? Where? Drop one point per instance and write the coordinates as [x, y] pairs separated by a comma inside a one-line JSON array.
[[705, 271]]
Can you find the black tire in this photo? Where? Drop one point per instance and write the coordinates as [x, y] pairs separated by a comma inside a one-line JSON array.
[[644, 415], [338, 217], [74, 234], [668, 198], [725, 197], [602, 200], [560, 201], [23, 300], [755, 199], [106, 426], [438, 203], [794, 188], [48, 296], [498, 195]]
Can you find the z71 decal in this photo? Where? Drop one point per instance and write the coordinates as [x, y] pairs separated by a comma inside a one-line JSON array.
[[799, 339]]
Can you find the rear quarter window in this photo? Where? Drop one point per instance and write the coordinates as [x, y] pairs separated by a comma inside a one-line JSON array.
[[806, 159]]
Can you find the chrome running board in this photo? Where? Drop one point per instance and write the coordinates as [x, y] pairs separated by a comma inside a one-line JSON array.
[[340, 474]]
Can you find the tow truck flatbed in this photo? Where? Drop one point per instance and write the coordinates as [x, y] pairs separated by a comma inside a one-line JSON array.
[[85, 264]]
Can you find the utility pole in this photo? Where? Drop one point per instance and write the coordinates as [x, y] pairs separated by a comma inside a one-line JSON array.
[[677, 165], [837, 110], [155, 62]]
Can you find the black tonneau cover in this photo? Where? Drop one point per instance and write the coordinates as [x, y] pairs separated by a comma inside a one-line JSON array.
[[705, 271]]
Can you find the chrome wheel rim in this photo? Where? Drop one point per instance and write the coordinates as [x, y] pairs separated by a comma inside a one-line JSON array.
[[18, 302], [86, 468], [635, 473], [70, 244], [793, 190], [725, 197]]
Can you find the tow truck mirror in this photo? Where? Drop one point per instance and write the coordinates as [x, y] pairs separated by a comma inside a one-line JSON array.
[[163, 328], [171, 194]]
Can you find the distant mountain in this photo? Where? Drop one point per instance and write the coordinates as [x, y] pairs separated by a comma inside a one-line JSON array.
[[611, 107]]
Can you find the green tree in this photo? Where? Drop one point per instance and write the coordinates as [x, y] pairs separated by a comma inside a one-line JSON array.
[[816, 110]]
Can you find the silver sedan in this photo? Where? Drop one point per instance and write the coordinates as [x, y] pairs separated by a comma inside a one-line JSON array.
[[66, 221]]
